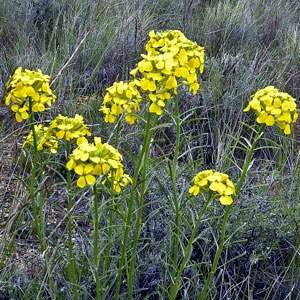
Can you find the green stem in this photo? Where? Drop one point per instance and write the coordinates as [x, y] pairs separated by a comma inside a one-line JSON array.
[[33, 178], [249, 159], [38, 211], [140, 204], [141, 164], [173, 171], [111, 217], [118, 133], [217, 256], [96, 235], [70, 228], [187, 253], [110, 227]]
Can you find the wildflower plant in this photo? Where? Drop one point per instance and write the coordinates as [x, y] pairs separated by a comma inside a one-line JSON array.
[[89, 160], [171, 61], [67, 129], [211, 184], [272, 107], [29, 92]]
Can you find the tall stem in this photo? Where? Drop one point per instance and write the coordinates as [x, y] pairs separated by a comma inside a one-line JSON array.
[[96, 235], [33, 178], [140, 203], [248, 159], [70, 227], [173, 171], [141, 165], [110, 228], [38, 211], [217, 256]]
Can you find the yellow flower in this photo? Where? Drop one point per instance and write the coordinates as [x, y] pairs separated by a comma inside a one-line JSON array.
[[89, 160], [60, 128], [119, 179], [69, 128], [170, 56], [122, 97], [44, 139], [21, 113], [274, 107], [216, 182], [28, 85]]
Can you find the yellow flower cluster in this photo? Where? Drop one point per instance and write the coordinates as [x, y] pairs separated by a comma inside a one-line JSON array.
[[60, 128], [215, 182], [69, 128], [25, 86], [170, 56], [42, 131], [122, 97], [273, 106], [89, 160]]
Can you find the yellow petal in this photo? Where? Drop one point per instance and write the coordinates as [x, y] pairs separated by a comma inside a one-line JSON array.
[[81, 140], [262, 117], [79, 169], [148, 66], [226, 200], [97, 170], [247, 108], [160, 65], [270, 120], [88, 168], [194, 190], [69, 135], [60, 134], [276, 111], [14, 108], [217, 187], [203, 182], [81, 182], [18, 117], [90, 179], [35, 107], [154, 108], [113, 163], [229, 191], [171, 82], [70, 164], [295, 117], [287, 129], [117, 188], [84, 156]]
